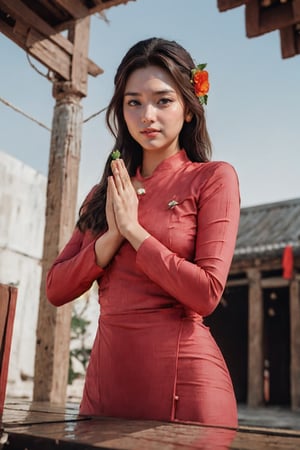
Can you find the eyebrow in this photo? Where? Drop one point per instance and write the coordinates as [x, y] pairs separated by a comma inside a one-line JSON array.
[[160, 92]]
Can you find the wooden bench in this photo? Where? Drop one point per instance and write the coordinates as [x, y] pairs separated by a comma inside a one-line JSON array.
[[8, 299], [41, 425]]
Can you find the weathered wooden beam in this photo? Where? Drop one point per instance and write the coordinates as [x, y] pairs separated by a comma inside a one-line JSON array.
[[74, 7], [266, 283], [53, 329], [274, 282], [224, 5], [240, 282], [295, 343], [260, 20], [290, 41], [79, 36], [255, 339], [48, 53], [19, 11], [42, 41], [101, 5], [8, 300]]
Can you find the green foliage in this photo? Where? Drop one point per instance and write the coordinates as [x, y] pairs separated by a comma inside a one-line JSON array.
[[80, 353], [116, 154]]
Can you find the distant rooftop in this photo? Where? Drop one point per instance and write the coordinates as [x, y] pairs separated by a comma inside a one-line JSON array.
[[267, 229]]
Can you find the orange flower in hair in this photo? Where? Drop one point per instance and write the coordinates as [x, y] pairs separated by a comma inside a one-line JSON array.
[[200, 82]]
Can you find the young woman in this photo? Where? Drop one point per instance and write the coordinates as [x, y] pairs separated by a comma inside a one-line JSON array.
[[158, 234]]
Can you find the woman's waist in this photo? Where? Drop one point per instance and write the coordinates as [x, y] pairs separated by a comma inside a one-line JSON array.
[[149, 313]]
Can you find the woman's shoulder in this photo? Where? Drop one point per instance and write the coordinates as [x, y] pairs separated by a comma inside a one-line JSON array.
[[214, 169]]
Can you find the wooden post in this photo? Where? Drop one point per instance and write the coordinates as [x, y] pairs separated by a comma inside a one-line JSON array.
[[255, 338], [295, 343], [53, 329], [8, 299]]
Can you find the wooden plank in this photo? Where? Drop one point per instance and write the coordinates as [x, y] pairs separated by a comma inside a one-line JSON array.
[[101, 5], [39, 32], [260, 20], [74, 7], [252, 18], [44, 50], [48, 53], [114, 433], [264, 263], [295, 343], [19, 11], [255, 339], [224, 5], [34, 38], [8, 295], [290, 41], [79, 36], [240, 282], [296, 9], [274, 282], [4, 305]]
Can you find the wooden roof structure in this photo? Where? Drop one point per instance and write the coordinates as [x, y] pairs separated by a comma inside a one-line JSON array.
[[37, 26], [264, 16], [265, 230]]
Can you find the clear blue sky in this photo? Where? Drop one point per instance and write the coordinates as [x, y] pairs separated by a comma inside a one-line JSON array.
[[253, 106]]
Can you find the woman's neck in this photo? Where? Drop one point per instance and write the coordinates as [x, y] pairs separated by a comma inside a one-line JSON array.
[[152, 159]]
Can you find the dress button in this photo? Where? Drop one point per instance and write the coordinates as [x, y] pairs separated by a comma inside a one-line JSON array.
[[176, 397]]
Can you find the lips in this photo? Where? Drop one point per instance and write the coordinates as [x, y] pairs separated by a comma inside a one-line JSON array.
[[150, 131]]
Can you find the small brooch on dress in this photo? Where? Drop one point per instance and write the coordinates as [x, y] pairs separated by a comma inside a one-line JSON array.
[[172, 203], [141, 191]]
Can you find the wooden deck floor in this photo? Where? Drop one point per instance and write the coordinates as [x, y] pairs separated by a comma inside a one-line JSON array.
[[36, 426]]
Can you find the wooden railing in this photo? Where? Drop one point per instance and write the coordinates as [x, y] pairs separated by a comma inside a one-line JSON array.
[[8, 299]]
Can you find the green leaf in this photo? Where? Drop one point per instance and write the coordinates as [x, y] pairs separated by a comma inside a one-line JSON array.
[[116, 154], [201, 66]]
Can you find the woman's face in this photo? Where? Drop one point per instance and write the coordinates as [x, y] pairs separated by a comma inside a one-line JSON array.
[[154, 110]]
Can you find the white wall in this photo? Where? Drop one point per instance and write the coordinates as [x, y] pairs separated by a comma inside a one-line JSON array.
[[22, 223], [22, 220]]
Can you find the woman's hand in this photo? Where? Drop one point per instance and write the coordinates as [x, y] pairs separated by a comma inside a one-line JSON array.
[[125, 204], [110, 215], [124, 198], [108, 243]]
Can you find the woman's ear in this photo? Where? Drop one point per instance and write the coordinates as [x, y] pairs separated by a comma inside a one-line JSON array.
[[188, 116]]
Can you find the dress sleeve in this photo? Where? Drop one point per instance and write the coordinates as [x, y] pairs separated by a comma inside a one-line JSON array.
[[74, 270], [200, 284]]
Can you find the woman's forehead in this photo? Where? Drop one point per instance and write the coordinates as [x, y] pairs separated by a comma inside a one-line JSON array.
[[150, 77]]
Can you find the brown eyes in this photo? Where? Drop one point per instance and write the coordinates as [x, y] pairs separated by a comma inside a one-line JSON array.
[[161, 101]]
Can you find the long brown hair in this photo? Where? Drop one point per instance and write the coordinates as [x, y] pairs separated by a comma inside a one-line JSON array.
[[194, 138]]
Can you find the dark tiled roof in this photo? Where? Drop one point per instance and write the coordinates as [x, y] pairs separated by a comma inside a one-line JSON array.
[[267, 229]]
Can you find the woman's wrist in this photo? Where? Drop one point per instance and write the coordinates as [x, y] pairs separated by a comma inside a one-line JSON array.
[[106, 247], [136, 235]]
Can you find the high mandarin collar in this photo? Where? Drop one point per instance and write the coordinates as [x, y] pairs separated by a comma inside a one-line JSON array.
[[171, 163]]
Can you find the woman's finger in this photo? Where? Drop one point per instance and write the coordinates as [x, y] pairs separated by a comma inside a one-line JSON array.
[[120, 174]]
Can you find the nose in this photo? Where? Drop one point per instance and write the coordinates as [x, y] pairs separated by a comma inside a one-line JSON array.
[[148, 114]]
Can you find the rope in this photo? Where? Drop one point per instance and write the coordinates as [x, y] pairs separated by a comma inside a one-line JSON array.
[[15, 108], [48, 76], [95, 114], [24, 114]]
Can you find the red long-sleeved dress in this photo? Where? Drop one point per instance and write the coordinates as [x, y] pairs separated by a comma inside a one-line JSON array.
[[153, 358]]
